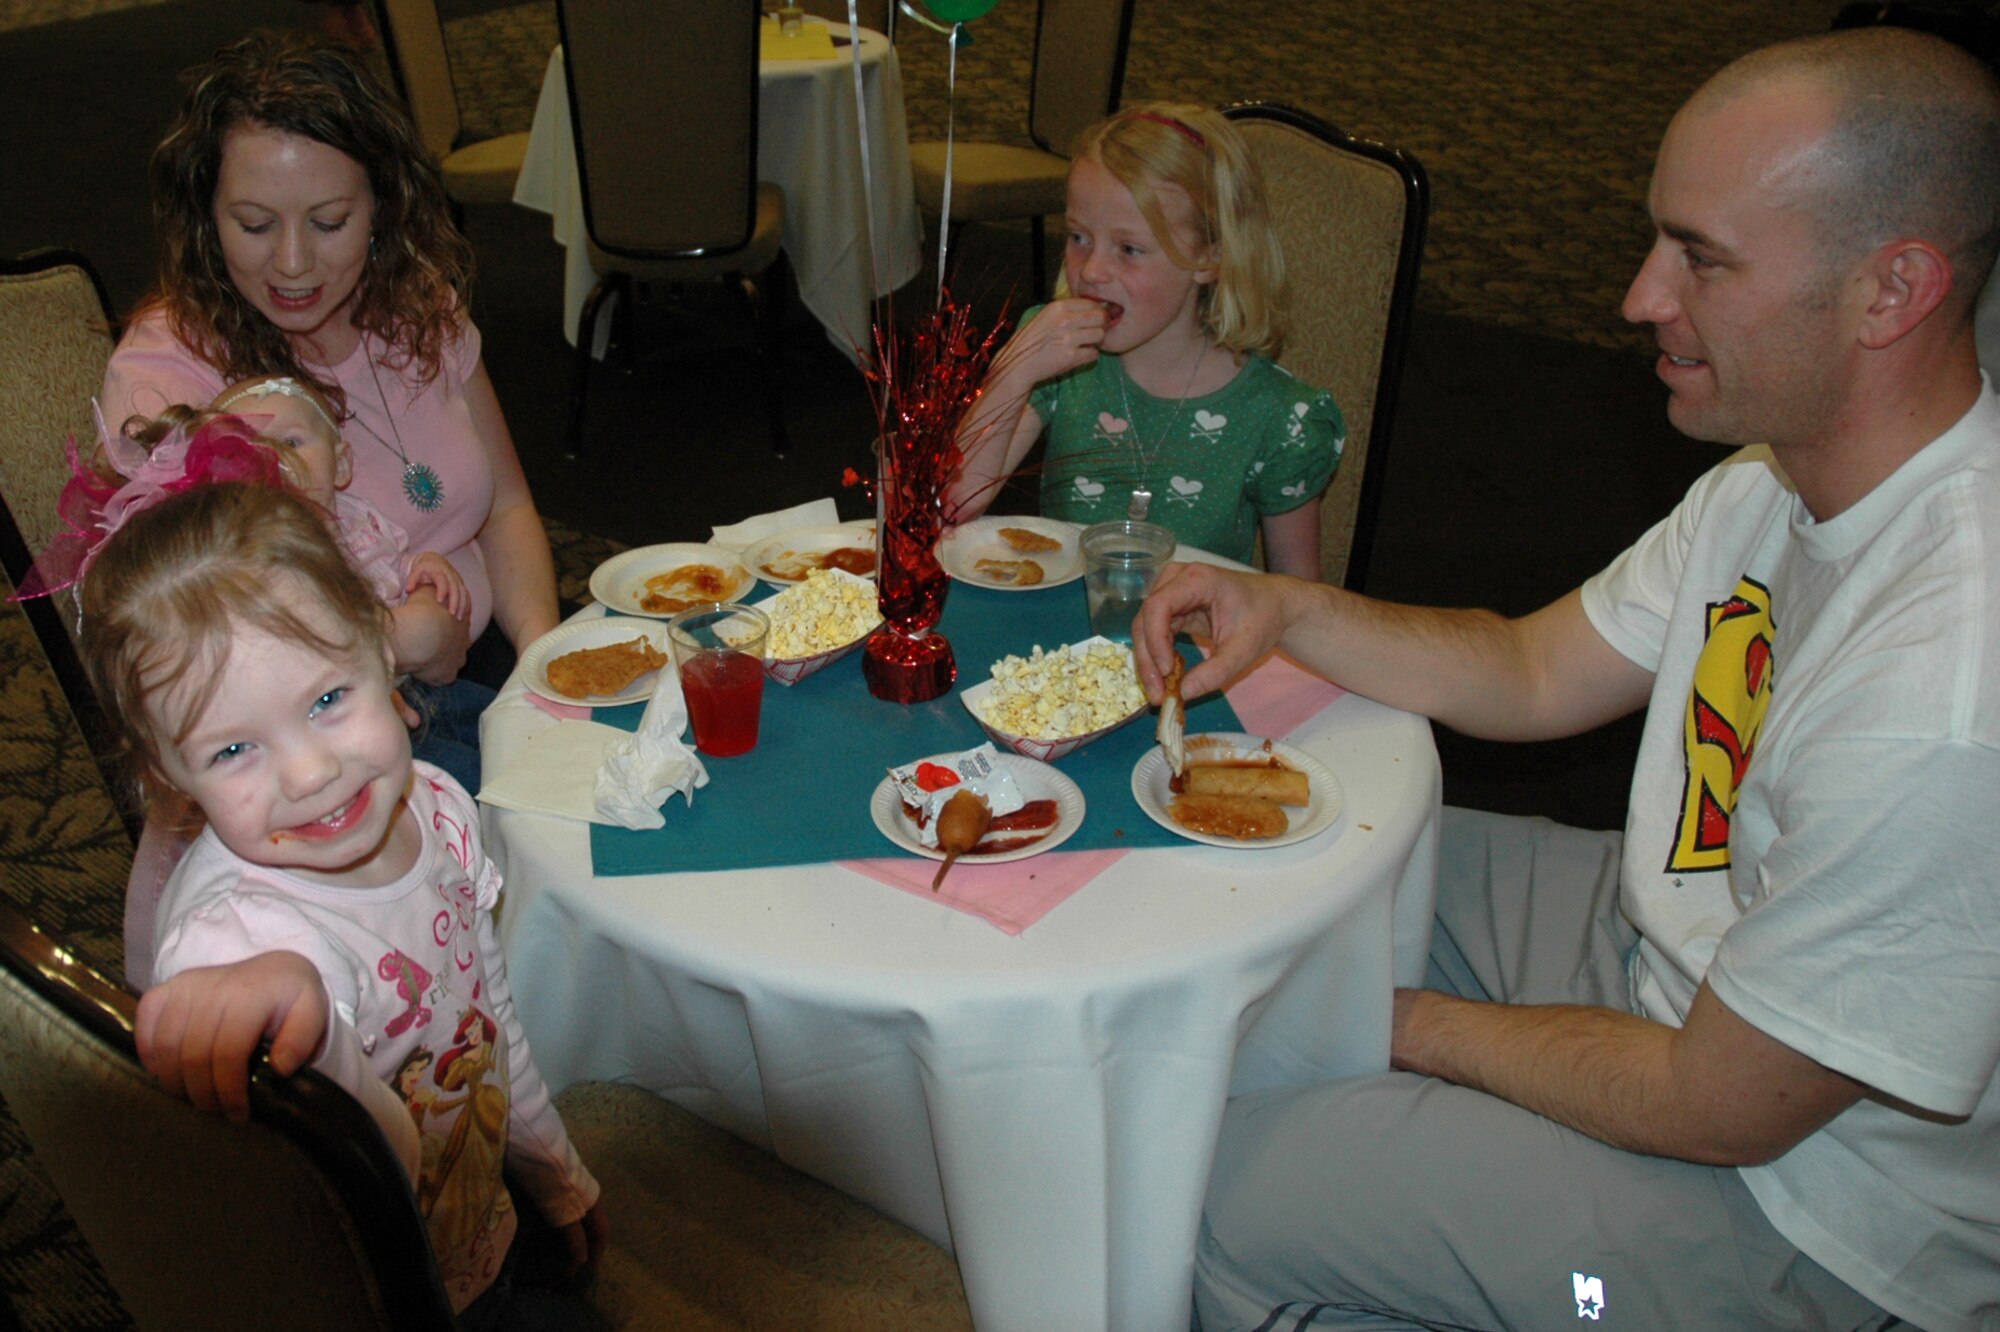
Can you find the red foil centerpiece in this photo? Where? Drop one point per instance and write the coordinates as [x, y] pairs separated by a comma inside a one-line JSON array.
[[923, 378]]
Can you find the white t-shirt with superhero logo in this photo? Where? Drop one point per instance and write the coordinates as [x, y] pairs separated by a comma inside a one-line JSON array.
[[1815, 830]]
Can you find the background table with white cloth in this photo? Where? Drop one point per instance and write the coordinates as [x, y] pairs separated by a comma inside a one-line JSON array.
[[1047, 1104], [809, 144]]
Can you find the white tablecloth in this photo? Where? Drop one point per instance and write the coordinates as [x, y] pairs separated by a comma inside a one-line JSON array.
[[1046, 1105], [807, 142]]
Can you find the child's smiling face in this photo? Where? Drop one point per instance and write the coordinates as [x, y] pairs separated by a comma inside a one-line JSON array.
[[299, 759], [1114, 258]]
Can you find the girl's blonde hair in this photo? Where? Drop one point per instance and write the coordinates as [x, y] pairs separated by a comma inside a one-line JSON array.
[[170, 589], [1197, 150]]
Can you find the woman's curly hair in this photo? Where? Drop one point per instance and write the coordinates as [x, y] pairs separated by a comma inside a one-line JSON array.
[[419, 272]]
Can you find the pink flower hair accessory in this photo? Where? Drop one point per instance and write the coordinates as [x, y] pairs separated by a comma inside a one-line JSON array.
[[93, 506]]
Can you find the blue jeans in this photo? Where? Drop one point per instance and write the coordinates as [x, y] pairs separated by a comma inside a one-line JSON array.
[[449, 733]]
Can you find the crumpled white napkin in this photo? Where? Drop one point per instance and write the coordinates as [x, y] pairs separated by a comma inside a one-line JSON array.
[[741, 536], [641, 772]]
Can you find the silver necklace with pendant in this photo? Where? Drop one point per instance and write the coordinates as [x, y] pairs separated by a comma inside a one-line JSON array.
[[1142, 493], [422, 486]]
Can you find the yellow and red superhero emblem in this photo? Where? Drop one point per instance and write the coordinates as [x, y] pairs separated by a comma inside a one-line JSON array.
[[1725, 713]]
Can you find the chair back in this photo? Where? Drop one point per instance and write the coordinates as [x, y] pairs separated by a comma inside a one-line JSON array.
[[55, 338], [663, 104], [413, 40], [1350, 216], [1079, 68], [301, 1219]]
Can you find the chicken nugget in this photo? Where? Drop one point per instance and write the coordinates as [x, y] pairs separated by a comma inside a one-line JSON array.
[[1019, 573], [1027, 541], [602, 671]]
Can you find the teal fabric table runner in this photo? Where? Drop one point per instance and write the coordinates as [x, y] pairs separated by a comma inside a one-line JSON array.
[[801, 796]]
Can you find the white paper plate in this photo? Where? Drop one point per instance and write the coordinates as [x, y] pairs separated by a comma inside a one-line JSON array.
[[961, 549], [620, 581], [1038, 781], [767, 558], [589, 634], [1151, 775]]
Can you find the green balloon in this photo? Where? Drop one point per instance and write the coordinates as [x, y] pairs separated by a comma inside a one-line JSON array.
[[959, 11]]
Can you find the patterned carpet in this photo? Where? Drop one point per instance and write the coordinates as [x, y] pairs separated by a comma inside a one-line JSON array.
[[1537, 124]]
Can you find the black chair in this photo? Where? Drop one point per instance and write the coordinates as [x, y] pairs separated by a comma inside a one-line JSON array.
[[663, 106], [1078, 71], [1350, 216]]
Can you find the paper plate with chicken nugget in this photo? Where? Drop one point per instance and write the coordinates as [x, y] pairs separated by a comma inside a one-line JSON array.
[[662, 581], [596, 663], [1238, 791], [1014, 553], [1030, 806]]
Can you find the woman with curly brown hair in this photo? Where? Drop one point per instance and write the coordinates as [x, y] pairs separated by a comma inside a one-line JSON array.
[[304, 231]]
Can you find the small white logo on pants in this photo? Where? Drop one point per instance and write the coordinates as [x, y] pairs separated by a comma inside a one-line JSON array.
[[1589, 1296]]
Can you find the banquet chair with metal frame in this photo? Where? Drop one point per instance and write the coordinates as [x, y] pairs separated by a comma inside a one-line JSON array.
[[663, 106], [1075, 80], [56, 334], [1350, 215], [301, 1218], [479, 171], [304, 1218]]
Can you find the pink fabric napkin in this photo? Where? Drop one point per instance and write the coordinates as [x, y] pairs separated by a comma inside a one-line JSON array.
[[560, 711], [1010, 896], [1274, 700], [1280, 696]]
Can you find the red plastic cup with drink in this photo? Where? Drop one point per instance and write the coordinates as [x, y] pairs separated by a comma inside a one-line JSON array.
[[719, 654]]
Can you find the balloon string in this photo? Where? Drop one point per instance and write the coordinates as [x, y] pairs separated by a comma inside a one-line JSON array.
[[950, 126], [867, 157]]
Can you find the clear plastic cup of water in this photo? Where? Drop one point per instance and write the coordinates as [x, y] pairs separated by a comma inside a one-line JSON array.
[[1121, 562]]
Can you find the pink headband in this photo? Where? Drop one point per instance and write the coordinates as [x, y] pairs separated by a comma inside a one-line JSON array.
[[1186, 131], [93, 507]]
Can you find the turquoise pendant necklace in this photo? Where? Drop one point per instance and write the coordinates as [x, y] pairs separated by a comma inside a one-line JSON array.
[[422, 486]]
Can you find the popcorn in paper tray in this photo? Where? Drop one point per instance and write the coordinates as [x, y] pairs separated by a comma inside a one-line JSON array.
[[1074, 690], [830, 609], [927, 785]]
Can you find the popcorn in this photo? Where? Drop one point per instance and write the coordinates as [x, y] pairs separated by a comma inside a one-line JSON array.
[[829, 609], [1074, 690]]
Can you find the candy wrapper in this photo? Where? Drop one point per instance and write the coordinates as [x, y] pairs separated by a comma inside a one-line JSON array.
[[926, 786]]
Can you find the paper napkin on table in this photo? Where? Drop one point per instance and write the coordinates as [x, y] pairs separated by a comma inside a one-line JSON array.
[[555, 772], [651, 764], [813, 513]]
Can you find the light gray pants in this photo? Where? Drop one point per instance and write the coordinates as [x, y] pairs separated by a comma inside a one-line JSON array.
[[1396, 1201]]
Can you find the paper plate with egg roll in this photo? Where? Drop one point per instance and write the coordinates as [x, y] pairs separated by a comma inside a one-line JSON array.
[[1016, 554], [1245, 792], [1052, 815]]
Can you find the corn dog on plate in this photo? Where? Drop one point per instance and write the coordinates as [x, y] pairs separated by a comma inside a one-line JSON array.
[[1243, 779], [1052, 814]]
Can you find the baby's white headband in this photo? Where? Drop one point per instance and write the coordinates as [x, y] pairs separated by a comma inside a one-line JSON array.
[[286, 385]]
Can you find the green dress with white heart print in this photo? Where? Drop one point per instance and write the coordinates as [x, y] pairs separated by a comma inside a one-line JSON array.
[[1263, 443]]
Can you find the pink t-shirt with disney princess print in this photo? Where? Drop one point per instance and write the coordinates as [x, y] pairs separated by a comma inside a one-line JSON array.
[[423, 1031]]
